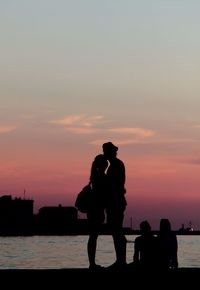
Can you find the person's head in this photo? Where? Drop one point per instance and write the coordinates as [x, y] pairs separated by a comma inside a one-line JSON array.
[[109, 150], [100, 162], [145, 227], [165, 225], [99, 166]]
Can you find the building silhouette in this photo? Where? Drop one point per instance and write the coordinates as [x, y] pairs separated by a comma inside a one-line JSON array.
[[16, 215], [17, 218], [57, 220]]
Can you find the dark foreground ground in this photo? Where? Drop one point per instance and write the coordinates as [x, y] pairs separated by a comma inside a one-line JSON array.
[[104, 279]]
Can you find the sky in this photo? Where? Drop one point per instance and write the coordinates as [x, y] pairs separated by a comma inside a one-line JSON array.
[[77, 73]]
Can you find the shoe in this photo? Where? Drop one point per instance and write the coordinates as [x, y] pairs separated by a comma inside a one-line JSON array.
[[96, 267], [117, 266]]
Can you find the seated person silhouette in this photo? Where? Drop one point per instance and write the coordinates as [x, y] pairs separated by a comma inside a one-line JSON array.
[[167, 246], [145, 248]]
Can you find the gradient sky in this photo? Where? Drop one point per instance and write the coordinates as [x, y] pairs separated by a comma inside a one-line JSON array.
[[77, 73]]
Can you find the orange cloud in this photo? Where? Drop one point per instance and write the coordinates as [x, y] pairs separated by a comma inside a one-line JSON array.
[[68, 120], [83, 124], [6, 129], [80, 120], [120, 141], [91, 121], [141, 135], [81, 130], [140, 132], [157, 141]]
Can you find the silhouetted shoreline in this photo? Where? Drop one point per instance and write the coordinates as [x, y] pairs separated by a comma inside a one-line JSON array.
[[85, 278], [127, 232], [17, 219]]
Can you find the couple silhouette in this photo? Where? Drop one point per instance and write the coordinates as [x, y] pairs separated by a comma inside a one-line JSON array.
[[159, 251], [107, 178]]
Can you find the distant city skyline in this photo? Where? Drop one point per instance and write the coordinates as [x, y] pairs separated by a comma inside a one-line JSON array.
[[75, 74]]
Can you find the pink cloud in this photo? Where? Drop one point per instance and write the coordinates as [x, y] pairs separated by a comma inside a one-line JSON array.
[[68, 120], [81, 130], [80, 120], [6, 129], [140, 132]]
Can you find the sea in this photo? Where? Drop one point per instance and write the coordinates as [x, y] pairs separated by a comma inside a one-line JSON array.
[[62, 252]]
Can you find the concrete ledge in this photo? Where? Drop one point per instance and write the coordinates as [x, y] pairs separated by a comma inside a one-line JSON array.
[[86, 278]]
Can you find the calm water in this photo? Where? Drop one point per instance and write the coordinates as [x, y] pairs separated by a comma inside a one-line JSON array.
[[51, 252]]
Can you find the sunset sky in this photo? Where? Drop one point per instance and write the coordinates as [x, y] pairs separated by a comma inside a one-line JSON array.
[[77, 73]]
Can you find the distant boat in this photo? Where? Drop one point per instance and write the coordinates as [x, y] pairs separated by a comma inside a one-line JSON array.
[[188, 229]]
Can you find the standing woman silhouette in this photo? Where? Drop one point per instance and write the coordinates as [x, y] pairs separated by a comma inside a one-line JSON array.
[[95, 213]]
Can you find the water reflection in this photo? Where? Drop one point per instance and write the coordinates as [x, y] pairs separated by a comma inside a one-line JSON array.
[[55, 252]]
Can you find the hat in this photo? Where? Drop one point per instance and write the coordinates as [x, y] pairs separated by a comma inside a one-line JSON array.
[[109, 146]]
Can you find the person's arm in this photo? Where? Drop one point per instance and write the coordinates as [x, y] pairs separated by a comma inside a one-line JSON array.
[[122, 177]]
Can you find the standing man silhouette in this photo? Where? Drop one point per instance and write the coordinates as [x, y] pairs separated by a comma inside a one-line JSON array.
[[116, 202]]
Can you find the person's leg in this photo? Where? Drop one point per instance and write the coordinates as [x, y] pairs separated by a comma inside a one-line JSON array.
[[91, 248], [115, 222], [120, 247], [96, 218], [119, 237]]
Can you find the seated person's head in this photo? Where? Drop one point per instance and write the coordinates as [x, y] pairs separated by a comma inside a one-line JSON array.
[[145, 227]]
